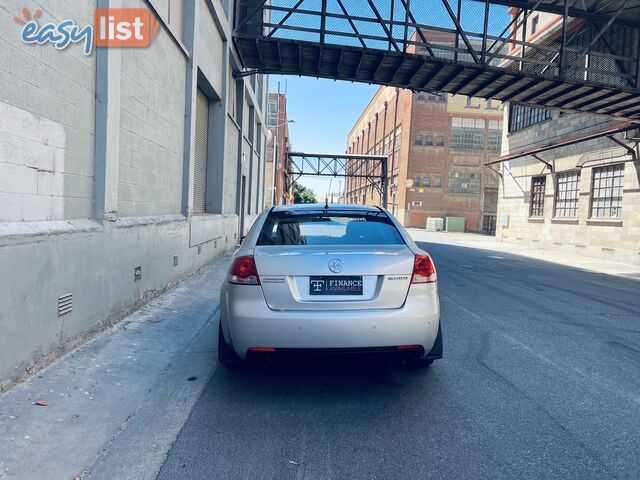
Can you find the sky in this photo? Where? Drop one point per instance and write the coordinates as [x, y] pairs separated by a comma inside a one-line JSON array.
[[324, 112]]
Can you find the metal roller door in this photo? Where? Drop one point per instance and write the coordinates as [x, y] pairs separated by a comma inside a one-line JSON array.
[[200, 153]]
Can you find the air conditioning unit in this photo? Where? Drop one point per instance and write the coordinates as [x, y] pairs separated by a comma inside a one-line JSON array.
[[416, 203]]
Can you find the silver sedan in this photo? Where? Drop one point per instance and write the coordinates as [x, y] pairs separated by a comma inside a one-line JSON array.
[[311, 279]]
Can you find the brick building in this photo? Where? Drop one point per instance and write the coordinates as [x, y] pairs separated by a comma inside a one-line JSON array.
[[277, 147], [437, 146], [562, 188]]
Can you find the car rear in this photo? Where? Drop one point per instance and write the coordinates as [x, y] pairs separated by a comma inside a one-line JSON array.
[[337, 279]]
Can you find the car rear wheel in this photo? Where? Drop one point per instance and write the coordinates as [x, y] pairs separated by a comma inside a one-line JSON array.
[[226, 354]]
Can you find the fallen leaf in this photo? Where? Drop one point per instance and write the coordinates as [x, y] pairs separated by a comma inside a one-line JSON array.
[[42, 403]]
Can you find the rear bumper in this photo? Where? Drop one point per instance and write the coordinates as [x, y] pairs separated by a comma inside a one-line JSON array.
[[248, 323]]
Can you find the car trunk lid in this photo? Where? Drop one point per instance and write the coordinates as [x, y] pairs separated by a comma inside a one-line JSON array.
[[286, 274]]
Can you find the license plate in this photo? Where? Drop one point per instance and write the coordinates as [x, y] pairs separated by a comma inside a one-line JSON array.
[[327, 285]]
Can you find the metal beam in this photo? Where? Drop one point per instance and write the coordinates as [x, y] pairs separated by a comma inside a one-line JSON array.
[[383, 25], [461, 32], [371, 37], [605, 132], [353, 25], [285, 18], [629, 149]]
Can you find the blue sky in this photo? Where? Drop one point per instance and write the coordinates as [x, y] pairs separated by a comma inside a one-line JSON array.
[[324, 112]]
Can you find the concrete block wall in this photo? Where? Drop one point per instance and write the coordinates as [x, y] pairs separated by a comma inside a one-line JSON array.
[[617, 239], [54, 170], [46, 119], [152, 128]]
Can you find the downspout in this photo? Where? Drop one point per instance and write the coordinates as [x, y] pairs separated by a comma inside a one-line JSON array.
[[384, 125], [393, 158], [375, 137]]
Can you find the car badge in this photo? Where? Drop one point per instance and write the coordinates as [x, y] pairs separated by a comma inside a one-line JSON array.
[[336, 265]]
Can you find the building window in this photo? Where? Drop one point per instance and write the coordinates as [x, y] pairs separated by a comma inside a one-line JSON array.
[[606, 200], [421, 96], [471, 105], [272, 113], [398, 135], [467, 133], [439, 141], [494, 135], [521, 116], [567, 193], [428, 140], [436, 181], [418, 139], [534, 24], [491, 106], [426, 181], [536, 206], [388, 142], [465, 183]]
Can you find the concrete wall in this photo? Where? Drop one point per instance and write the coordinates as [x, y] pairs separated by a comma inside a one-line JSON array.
[[46, 121], [614, 239], [96, 168], [152, 128]]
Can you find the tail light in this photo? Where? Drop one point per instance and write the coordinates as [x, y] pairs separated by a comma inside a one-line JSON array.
[[424, 271], [243, 271]]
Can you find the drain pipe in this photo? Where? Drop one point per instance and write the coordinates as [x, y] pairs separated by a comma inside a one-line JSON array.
[[393, 151]]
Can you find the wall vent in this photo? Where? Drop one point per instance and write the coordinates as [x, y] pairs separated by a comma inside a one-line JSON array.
[[65, 304], [137, 273], [175, 260], [199, 249]]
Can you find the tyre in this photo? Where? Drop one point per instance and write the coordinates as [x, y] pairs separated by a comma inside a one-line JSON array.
[[227, 356]]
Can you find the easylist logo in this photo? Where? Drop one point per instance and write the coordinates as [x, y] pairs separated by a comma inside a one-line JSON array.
[[113, 27], [124, 27]]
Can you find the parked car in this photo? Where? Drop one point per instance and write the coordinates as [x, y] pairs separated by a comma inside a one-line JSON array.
[[329, 279]]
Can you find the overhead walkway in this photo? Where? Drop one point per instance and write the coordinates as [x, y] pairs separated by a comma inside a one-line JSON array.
[[371, 168], [583, 58]]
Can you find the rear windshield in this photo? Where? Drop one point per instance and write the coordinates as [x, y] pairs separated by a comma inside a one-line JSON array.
[[329, 228]]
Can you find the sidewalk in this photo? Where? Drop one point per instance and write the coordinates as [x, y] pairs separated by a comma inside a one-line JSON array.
[[126, 393], [487, 242]]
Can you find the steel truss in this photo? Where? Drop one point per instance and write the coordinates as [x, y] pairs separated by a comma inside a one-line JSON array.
[[586, 58], [373, 168]]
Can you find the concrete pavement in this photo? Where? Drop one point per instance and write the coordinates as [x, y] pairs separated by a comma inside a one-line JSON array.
[[116, 404]]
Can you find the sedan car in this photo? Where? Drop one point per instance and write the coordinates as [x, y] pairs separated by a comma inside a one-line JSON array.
[[332, 279]]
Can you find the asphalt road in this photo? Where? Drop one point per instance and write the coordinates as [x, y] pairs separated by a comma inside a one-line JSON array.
[[540, 380]]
